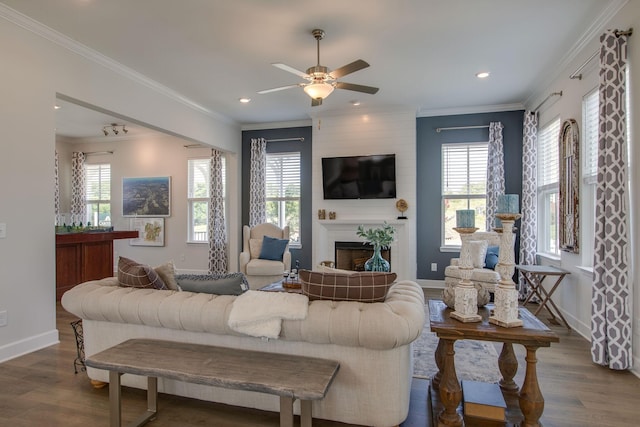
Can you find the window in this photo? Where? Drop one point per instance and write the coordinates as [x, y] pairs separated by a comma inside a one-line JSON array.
[[98, 194], [548, 176], [283, 193], [464, 185], [198, 198]]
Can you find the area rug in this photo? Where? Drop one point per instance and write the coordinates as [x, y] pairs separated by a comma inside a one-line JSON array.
[[474, 360]]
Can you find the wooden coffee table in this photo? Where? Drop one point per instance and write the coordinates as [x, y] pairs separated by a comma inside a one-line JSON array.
[[532, 335]]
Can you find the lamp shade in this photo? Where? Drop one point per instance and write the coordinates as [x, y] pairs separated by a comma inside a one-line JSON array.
[[318, 90]]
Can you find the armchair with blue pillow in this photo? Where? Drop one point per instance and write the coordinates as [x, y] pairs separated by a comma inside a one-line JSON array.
[[265, 254], [485, 257]]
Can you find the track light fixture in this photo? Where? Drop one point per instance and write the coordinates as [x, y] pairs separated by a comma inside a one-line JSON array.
[[115, 129]]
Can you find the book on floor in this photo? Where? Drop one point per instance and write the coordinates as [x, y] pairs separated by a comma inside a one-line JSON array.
[[483, 400]]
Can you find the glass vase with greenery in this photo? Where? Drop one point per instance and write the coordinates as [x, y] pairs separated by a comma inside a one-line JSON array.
[[380, 238]]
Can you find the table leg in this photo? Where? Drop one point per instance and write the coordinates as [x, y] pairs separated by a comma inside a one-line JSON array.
[[450, 391], [286, 411], [439, 357], [548, 299], [508, 364], [530, 397], [305, 413], [534, 284], [115, 402]]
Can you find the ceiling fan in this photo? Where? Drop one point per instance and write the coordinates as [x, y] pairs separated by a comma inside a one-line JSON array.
[[320, 81]]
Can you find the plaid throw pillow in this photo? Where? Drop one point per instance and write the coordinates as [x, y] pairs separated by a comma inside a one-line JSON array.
[[134, 275], [361, 286]]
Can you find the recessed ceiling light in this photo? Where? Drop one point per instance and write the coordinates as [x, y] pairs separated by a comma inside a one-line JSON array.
[[355, 103], [245, 100], [482, 75], [56, 107]]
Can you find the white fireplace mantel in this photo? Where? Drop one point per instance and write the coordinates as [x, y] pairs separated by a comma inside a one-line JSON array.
[[344, 230]]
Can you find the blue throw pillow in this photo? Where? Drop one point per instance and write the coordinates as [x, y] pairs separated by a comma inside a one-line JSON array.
[[272, 248], [491, 259]]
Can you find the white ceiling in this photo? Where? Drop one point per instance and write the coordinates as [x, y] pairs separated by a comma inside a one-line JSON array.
[[423, 53]]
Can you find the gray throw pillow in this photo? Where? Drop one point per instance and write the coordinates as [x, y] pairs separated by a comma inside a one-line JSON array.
[[218, 284]]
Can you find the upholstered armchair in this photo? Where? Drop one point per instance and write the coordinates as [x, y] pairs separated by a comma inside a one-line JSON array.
[[265, 255], [483, 273]]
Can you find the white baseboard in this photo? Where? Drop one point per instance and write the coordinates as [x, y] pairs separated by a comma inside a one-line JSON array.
[[28, 345], [431, 284]]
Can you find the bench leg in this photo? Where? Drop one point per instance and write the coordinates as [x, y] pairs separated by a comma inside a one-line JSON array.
[[305, 413], [286, 411], [115, 402]]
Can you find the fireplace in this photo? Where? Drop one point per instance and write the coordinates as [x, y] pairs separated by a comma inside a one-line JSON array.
[[353, 255]]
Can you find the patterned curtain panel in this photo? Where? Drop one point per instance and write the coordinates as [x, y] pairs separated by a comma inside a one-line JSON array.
[[218, 254], [56, 194], [78, 201], [257, 189], [528, 223], [495, 171], [610, 314]]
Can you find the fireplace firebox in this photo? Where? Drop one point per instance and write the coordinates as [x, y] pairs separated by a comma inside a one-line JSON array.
[[353, 255]]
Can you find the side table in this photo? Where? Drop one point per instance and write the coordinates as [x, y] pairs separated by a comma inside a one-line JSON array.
[[534, 275], [532, 335]]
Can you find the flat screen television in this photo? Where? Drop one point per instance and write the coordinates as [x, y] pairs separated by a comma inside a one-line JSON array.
[[359, 177]]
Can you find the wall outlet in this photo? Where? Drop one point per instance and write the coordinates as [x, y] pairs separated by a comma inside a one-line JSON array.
[[434, 266], [182, 257], [3, 318], [3, 230]]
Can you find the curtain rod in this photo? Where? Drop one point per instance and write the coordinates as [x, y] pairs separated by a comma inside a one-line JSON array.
[[301, 139], [576, 75], [545, 100], [97, 152], [462, 127]]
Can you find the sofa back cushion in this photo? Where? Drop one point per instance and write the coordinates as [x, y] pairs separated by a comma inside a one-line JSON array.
[[134, 275], [360, 286]]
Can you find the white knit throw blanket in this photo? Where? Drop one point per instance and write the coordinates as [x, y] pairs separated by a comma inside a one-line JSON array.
[[260, 313]]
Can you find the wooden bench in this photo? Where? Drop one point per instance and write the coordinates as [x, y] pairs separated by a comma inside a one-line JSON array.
[[288, 376]]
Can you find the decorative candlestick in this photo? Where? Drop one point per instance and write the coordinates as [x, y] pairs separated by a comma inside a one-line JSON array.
[[506, 296], [465, 294]]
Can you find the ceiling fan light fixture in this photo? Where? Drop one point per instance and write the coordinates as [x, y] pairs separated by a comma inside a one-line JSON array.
[[318, 90]]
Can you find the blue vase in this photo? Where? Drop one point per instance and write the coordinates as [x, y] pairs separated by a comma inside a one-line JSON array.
[[376, 262]]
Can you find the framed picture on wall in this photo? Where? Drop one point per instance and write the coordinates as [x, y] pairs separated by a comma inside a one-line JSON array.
[[147, 196], [150, 231]]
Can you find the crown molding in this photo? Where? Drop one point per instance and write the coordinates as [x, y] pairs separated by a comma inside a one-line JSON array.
[[470, 110], [591, 33], [277, 125], [90, 54]]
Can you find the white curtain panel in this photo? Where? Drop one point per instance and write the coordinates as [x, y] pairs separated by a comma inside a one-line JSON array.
[[495, 171], [257, 179], [218, 253], [78, 177], [610, 313], [56, 194], [528, 222]]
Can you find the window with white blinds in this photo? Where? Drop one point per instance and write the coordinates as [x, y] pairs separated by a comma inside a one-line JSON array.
[[98, 194], [548, 168], [283, 192], [464, 185], [198, 198], [548, 177], [590, 117]]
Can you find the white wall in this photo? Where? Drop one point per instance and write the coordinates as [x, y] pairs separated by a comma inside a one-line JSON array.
[[364, 132], [574, 295], [34, 70]]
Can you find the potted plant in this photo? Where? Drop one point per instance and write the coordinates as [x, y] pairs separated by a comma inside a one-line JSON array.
[[379, 238]]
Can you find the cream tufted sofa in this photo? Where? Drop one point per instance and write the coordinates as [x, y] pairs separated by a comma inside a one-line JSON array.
[[371, 342]]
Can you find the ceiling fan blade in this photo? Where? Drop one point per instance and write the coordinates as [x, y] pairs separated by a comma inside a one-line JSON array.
[[358, 88], [292, 70], [349, 68], [316, 101], [275, 89]]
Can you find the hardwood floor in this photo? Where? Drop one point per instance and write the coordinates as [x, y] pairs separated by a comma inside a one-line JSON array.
[[40, 389]]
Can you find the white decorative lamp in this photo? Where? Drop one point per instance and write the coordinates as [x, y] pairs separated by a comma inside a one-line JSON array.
[[465, 293], [506, 296]]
